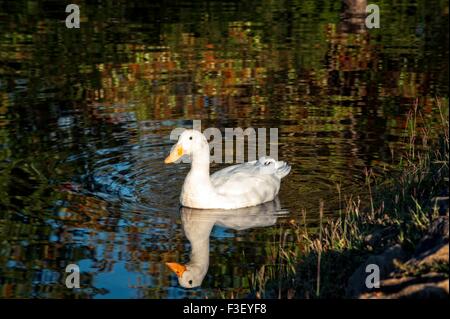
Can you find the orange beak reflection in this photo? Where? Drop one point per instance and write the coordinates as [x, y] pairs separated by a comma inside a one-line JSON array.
[[177, 268], [175, 154]]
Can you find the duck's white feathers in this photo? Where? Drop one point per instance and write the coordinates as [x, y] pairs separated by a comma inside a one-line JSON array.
[[261, 177], [236, 186]]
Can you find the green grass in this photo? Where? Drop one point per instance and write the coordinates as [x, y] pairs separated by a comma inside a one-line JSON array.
[[317, 263]]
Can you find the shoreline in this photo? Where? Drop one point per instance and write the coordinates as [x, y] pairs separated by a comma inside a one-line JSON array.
[[402, 229]]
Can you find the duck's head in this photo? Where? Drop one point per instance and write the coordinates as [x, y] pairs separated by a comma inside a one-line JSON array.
[[189, 142], [188, 277]]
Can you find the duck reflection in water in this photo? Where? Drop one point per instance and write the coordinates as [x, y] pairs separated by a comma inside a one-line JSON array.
[[198, 224]]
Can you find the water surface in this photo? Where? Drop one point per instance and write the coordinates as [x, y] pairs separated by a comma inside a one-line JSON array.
[[85, 118]]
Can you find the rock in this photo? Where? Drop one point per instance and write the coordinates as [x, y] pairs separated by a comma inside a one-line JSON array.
[[434, 290], [409, 280], [428, 286], [433, 247], [385, 261], [440, 255], [436, 237]]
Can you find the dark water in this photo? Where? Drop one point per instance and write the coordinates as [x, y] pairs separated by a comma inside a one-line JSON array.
[[85, 118]]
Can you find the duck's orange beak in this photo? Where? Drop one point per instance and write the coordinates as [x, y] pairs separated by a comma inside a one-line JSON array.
[[175, 154], [177, 268]]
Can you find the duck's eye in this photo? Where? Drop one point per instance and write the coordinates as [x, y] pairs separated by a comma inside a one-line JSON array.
[[190, 282], [190, 137]]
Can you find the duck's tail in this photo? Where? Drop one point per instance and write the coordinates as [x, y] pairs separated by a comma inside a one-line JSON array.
[[282, 168]]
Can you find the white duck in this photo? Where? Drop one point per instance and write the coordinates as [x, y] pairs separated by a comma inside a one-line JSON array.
[[198, 224], [236, 186]]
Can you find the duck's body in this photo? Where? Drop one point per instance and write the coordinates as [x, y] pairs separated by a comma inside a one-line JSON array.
[[233, 187]]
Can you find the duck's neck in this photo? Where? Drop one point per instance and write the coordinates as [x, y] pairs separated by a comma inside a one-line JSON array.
[[197, 229], [199, 259], [198, 190], [200, 162], [198, 178]]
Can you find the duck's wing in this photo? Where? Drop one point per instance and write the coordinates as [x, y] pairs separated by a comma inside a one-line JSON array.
[[261, 175], [230, 170], [263, 166]]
